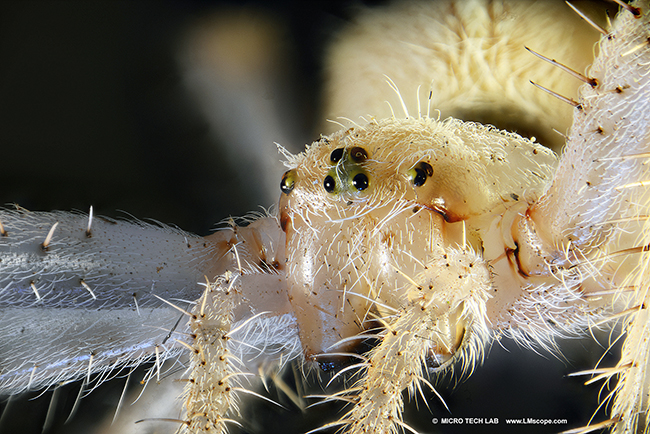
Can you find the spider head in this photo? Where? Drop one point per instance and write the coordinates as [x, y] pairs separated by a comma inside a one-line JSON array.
[[372, 212]]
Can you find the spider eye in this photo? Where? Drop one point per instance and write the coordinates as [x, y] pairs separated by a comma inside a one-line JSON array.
[[329, 184], [336, 155], [420, 177], [358, 154], [420, 173], [288, 181], [360, 181]]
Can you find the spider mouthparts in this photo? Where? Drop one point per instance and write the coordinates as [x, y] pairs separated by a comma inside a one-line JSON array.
[[451, 334], [436, 362]]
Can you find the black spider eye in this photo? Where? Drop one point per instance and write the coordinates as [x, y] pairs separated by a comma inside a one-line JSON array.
[[420, 173], [358, 154], [329, 184], [360, 181], [336, 155], [420, 177], [288, 181]]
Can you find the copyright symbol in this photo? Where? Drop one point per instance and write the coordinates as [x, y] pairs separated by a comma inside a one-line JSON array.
[[434, 421]]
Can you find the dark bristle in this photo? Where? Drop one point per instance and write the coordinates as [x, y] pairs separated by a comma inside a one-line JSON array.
[[587, 19], [569, 101], [590, 81], [632, 9]]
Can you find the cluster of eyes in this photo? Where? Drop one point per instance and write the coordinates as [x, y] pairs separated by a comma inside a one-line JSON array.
[[347, 168]]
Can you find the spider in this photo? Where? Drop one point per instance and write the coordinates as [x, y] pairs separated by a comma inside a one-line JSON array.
[[339, 173]]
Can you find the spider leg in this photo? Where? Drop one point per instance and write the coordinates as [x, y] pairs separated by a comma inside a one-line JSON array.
[[591, 224], [445, 311], [210, 391]]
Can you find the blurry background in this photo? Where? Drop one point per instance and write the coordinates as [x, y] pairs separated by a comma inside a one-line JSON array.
[[170, 110], [100, 102]]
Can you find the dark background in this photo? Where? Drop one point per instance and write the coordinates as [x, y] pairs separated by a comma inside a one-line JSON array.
[[94, 111]]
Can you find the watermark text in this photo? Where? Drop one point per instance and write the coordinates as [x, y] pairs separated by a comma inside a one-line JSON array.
[[496, 421]]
